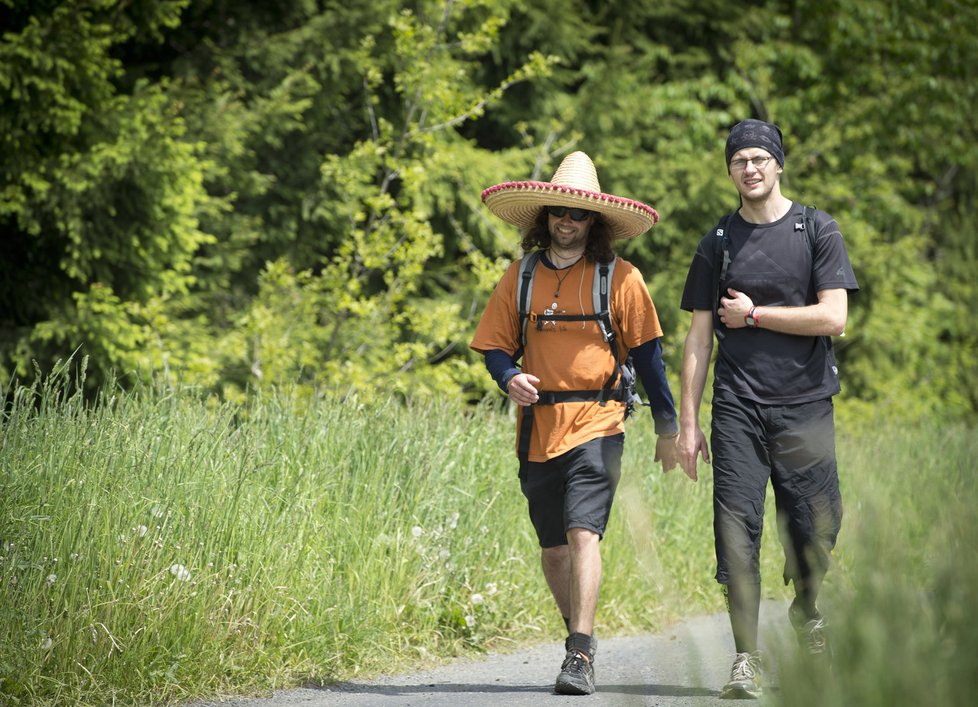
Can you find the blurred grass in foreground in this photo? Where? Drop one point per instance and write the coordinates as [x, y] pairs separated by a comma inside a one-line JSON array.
[[156, 547], [902, 600]]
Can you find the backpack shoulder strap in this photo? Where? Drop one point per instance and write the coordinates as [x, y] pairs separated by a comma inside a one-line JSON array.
[[524, 290], [810, 233], [811, 236], [721, 260], [601, 297]]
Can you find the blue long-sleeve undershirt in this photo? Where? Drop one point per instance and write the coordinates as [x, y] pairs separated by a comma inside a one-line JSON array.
[[649, 367]]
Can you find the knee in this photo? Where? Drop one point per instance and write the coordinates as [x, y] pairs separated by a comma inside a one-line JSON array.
[[582, 537], [554, 556]]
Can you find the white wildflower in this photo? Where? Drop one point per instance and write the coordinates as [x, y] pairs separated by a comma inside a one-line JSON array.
[[477, 599], [491, 588], [180, 572], [46, 644], [52, 578], [416, 531], [469, 621]]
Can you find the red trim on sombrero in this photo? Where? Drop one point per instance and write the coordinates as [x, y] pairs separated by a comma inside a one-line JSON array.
[[549, 186]]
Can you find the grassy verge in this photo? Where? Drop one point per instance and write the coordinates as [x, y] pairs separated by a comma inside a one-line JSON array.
[[903, 599], [157, 547]]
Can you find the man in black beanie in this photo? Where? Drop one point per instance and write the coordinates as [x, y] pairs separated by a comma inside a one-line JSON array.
[[772, 281], [755, 133]]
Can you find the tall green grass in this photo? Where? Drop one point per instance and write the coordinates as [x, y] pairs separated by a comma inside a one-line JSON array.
[[902, 601], [157, 546]]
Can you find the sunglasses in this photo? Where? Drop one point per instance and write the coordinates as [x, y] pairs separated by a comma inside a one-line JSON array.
[[575, 214]]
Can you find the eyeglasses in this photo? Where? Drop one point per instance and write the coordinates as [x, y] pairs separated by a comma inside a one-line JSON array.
[[758, 162], [575, 214]]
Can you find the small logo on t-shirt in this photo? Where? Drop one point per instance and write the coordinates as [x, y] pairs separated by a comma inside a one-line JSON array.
[[549, 323]]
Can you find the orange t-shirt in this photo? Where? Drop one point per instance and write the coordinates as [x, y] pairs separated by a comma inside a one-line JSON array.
[[569, 355]]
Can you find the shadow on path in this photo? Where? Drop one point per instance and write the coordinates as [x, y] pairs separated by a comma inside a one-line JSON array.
[[685, 666]]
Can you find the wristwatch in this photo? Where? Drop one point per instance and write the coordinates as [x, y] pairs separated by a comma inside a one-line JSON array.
[[751, 319]]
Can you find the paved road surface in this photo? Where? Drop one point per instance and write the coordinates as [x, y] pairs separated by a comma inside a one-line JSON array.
[[684, 666]]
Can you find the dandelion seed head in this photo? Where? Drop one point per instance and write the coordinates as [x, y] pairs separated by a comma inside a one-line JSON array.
[[51, 579], [180, 572], [469, 621], [477, 599], [416, 531], [491, 588], [46, 644]]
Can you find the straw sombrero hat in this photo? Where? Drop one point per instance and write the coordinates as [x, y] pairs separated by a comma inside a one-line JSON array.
[[574, 184]]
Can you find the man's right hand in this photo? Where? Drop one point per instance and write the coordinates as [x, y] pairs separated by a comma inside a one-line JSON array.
[[522, 389], [692, 442]]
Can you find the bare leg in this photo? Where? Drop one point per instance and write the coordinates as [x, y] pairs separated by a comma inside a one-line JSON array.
[[556, 570], [585, 578]]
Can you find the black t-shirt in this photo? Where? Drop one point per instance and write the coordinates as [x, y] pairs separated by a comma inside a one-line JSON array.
[[772, 263]]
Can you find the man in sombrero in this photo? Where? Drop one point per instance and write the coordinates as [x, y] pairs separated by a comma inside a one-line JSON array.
[[569, 386]]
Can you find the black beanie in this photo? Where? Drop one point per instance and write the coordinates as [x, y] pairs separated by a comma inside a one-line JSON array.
[[755, 133]]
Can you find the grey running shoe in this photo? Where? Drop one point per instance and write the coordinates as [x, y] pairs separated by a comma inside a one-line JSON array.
[[811, 632], [576, 675], [745, 678]]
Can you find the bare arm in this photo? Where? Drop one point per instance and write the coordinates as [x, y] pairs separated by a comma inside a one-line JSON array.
[[696, 365], [826, 318]]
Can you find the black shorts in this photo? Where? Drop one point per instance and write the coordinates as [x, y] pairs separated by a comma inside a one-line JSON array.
[[794, 447], [574, 490]]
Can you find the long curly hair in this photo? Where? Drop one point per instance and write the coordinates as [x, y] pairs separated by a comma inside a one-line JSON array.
[[597, 250]]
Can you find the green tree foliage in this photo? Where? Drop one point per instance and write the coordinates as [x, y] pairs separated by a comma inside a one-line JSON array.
[[247, 194], [100, 189]]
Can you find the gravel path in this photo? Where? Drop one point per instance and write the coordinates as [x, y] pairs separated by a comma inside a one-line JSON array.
[[684, 666]]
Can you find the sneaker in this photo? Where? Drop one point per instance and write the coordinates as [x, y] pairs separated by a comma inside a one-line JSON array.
[[576, 675], [811, 632], [745, 678]]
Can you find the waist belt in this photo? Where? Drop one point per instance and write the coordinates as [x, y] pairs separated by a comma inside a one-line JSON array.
[[553, 397]]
